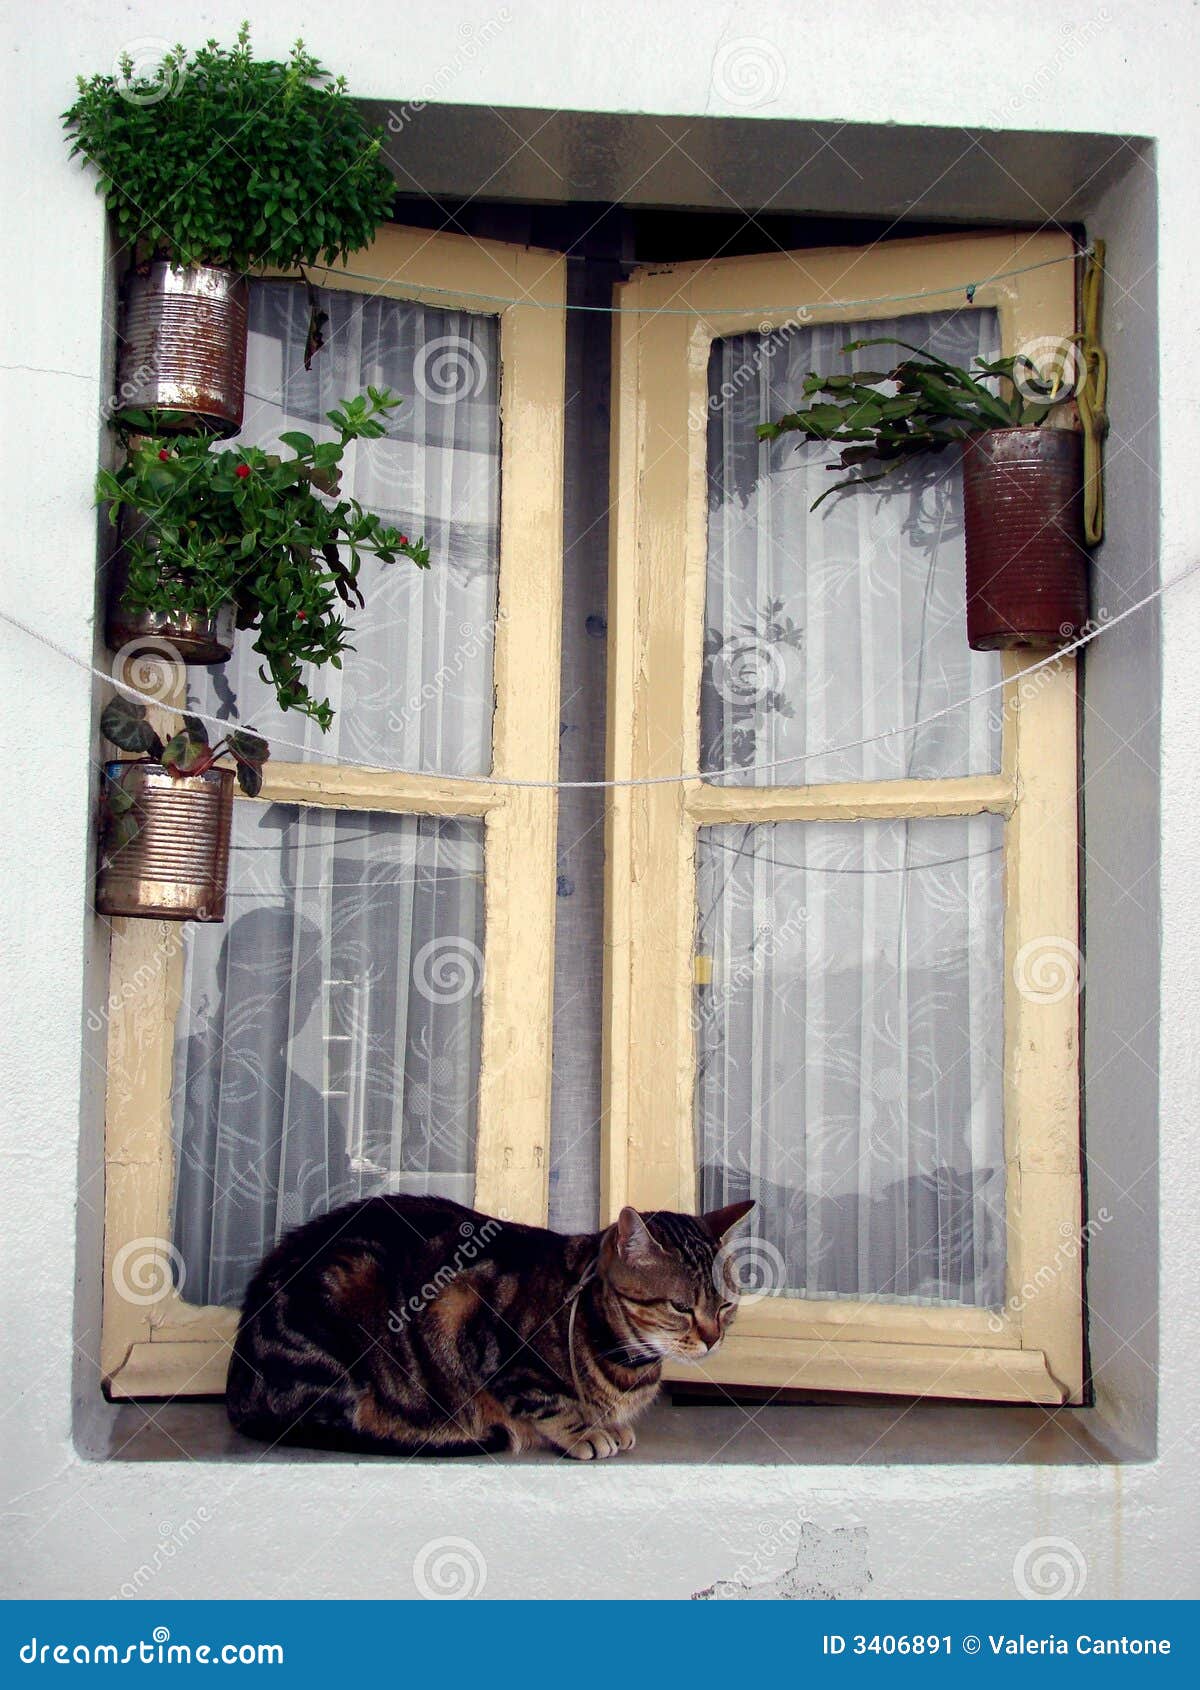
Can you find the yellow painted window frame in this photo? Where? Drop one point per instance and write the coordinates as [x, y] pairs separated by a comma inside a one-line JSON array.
[[1033, 1349], [154, 1343]]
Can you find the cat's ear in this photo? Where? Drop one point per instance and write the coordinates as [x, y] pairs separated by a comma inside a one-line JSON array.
[[634, 1242], [718, 1223]]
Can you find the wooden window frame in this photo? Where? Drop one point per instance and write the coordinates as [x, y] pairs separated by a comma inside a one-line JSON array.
[[1033, 1350], [165, 1346]]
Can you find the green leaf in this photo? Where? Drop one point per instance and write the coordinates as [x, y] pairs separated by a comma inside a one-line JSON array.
[[124, 722], [244, 743], [249, 778]]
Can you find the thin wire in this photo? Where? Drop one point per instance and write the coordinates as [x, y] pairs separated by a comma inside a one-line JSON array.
[[968, 288], [646, 780]]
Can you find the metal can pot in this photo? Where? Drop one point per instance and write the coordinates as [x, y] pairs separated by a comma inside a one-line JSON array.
[[176, 867], [199, 638], [183, 347], [1027, 582]]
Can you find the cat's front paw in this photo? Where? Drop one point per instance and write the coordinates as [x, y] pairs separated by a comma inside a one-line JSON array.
[[626, 1437], [594, 1445]]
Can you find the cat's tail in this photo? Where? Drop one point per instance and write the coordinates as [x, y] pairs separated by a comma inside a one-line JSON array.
[[310, 1434]]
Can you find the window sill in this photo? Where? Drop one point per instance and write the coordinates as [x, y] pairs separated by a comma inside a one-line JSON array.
[[889, 1431]]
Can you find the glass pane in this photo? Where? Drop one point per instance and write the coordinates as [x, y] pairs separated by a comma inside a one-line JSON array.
[[850, 1046], [328, 1043], [416, 692], [823, 628]]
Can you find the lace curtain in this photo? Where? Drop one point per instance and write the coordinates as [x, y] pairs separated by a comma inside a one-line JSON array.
[[328, 1040], [849, 1024]]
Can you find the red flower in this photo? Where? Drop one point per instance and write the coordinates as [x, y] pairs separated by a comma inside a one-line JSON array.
[[301, 616], [404, 539], [164, 457], [242, 471]]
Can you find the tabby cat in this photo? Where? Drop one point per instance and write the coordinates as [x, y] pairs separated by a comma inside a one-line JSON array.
[[411, 1324]]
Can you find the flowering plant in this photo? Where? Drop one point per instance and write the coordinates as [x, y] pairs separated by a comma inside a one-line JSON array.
[[269, 534]]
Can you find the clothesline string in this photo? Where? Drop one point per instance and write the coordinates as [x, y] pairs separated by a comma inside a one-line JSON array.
[[968, 288], [711, 775]]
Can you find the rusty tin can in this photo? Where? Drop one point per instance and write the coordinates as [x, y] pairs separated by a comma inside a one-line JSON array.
[[1027, 581], [176, 868], [198, 638], [183, 347]]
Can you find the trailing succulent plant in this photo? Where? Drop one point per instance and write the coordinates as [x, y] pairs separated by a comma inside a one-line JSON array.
[[931, 405], [216, 157], [269, 534], [188, 752]]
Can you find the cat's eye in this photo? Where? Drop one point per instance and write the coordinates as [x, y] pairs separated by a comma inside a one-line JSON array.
[[681, 1308]]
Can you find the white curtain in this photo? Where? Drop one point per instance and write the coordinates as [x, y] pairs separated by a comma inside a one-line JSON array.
[[328, 1042], [849, 1023], [416, 691], [828, 627]]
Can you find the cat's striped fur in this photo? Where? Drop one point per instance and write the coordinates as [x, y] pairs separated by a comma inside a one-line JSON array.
[[413, 1325]]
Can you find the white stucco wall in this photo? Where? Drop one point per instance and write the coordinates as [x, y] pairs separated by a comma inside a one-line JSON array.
[[81, 1527]]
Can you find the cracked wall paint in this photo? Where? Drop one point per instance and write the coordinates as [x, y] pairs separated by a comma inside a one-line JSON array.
[[825, 1566]]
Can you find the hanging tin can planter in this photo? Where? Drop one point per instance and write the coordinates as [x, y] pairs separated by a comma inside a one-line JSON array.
[[199, 638], [1027, 582], [165, 844], [183, 347]]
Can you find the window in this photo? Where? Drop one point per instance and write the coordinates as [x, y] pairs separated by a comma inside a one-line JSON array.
[[822, 987], [375, 1012], [821, 970]]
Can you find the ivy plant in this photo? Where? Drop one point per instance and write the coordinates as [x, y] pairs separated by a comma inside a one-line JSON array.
[[270, 534], [922, 404], [217, 157], [125, 723]]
